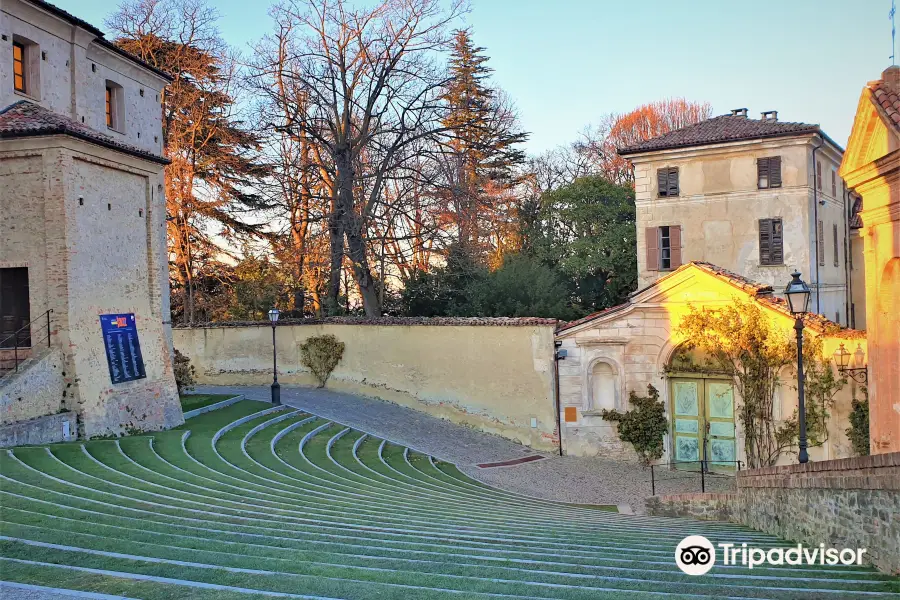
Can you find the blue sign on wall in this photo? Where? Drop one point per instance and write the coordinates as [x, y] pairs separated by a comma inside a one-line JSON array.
[[123, 350]]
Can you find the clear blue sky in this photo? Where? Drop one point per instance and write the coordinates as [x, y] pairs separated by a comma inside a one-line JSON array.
[[567, 62]]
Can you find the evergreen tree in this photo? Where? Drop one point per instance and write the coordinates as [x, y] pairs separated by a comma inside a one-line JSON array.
[[484, 146], [211, 150]]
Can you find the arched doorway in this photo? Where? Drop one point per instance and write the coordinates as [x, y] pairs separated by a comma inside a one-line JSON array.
[[701, 413]]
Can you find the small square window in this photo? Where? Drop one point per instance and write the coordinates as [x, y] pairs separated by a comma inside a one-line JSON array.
[[667, 182]]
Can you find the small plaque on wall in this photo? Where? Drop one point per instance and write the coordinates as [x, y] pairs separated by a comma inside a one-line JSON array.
[[123, 349], [571, 414]]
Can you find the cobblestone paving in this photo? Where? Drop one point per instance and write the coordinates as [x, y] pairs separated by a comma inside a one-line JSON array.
[[581, 480]]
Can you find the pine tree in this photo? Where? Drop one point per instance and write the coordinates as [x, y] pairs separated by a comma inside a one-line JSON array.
[[484, 146]]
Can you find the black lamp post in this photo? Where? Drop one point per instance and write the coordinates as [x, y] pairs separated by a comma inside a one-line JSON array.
[[276, 388], [797, 293]]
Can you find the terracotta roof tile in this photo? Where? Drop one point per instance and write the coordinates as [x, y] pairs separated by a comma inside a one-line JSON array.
[[760, 292], [592, 316], [886, 94], [726, 128], [25, 119]]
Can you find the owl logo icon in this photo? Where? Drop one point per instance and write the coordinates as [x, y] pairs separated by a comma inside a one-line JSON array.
[[695, 555]]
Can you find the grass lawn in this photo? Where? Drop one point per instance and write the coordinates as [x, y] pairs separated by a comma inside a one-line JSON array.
[[254, 501], [192, 401]]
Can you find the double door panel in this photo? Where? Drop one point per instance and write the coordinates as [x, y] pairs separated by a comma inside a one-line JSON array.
[[703, 422]]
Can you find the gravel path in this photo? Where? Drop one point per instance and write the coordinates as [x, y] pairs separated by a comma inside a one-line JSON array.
[[582, 480]]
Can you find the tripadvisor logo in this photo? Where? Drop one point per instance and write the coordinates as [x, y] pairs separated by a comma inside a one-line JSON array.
[[696, 555]]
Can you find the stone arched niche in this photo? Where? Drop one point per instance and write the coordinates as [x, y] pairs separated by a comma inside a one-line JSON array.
[[604, 386]]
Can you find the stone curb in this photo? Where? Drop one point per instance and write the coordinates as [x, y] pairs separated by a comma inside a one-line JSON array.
[[205, 409]]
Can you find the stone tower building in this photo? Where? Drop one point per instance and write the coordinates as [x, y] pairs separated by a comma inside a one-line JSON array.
[[84, 299]]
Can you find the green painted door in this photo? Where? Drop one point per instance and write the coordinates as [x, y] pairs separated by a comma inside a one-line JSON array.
[[687, 419], [703, 416], [721, 450]]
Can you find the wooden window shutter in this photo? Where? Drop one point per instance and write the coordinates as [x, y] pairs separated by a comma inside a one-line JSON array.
[[774, 171], [762, 172], [820, 244], [672, 189], [777, 247], [662, 179], [819, 176], [652, 243], [765, 241], [835, 231], [675, 245]]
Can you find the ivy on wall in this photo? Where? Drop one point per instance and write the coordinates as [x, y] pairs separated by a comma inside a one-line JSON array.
[[644, 427], [321, 354], [740, 341], [858, 432]]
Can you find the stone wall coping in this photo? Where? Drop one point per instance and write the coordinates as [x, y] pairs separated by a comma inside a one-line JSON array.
[[695, 496], [875, 472], [401, 321], [874, 461]]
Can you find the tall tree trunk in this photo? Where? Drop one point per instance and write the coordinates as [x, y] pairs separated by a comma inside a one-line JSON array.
[[352, 226]]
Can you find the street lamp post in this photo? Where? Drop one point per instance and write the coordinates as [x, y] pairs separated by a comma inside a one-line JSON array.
[[797, 293], [276, 388]]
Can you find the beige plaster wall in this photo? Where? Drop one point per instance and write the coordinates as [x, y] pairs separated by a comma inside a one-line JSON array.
[[71, 80], [496, 379], [35, 391], [638, 342], [719, 207]]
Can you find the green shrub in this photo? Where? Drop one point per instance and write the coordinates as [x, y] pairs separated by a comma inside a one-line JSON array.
[[184, 373], [644, 427], [321, 354], [859, 425]]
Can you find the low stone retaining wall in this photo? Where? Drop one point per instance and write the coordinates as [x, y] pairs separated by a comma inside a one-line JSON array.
[[49, 429], [35, 390], [847, 503]]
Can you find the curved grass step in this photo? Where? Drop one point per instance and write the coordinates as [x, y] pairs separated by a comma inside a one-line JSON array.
[[251, 501]]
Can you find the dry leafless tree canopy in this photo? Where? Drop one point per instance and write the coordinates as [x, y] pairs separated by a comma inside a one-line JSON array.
[[349, 148]]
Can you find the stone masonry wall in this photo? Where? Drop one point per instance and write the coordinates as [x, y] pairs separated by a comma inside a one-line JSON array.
[[35, 391], [847, 503]]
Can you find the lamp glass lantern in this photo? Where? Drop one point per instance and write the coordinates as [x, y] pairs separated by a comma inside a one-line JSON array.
[[273, 315], [797, 293], [841, 358]]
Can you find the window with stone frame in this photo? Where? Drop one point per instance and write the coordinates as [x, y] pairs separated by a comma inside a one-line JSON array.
[[768, 172], [115, 106], [667, 182], [771, 242], [26, 67], [663, 247], [19, 81]]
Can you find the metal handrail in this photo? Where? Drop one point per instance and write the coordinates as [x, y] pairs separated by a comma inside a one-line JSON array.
[[704, 471], [31, 342]]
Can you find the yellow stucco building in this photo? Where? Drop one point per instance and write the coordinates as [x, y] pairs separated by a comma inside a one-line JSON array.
[[871, 166]]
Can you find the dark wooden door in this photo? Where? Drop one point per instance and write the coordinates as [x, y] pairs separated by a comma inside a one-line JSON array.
[[15, 309]]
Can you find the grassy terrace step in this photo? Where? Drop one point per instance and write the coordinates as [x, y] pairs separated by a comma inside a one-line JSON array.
[[251, 501]]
